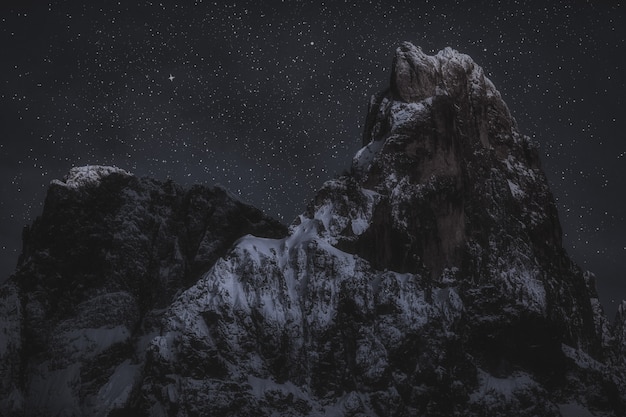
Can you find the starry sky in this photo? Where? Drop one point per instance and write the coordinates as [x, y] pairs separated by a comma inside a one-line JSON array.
[[268, 98]]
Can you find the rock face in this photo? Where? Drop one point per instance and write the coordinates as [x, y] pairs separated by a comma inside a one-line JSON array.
[[98, 268], [430, 281]]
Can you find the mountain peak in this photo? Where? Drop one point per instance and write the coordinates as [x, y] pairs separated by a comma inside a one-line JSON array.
[[89, 175], [439, 113], [413, 74], [416, 76]]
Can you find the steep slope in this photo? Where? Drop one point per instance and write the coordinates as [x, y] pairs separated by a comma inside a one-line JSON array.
[[98, 268], [431, 281]]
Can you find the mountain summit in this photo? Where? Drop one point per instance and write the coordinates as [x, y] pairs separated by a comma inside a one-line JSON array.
[[429, 281]]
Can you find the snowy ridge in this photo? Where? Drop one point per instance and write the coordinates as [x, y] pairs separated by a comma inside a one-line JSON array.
[[296, 286], [89, 175]]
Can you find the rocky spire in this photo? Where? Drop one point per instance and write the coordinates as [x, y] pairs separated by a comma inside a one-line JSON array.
[[444, 131], [414, 75]]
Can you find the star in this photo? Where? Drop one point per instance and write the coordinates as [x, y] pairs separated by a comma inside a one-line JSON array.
[[171, 77]]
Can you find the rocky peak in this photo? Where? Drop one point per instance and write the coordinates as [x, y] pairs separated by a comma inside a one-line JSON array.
[[442, 131], [89, 175], [430, 281], [450, 189], [416, 76]]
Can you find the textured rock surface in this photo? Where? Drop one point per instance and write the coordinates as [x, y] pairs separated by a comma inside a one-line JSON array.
[[107, 256], [620, 331], [430, 281]]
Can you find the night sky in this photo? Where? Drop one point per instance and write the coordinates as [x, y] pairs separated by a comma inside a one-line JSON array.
[[268, 98]]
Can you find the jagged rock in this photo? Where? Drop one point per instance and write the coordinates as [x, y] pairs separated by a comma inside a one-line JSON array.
[[430, 281], [620, 331], [98, 268], [414, 74], [12, 400]]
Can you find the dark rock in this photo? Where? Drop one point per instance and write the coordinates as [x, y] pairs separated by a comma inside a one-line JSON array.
[[99, 266]]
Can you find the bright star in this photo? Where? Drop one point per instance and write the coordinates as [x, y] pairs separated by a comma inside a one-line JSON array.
[[171, 77]]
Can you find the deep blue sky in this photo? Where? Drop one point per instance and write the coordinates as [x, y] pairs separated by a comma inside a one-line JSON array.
[[269, 98]]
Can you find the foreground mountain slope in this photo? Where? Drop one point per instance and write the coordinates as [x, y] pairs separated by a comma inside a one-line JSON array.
[[98, 268], [431, 281]]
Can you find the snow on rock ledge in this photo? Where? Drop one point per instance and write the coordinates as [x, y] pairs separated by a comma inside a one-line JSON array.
[[89, 175]]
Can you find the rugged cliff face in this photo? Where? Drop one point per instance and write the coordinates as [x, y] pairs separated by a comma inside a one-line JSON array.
[[430, 281], [98, 269]]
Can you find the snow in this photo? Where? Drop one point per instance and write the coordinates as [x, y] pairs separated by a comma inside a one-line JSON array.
[[449, 303], [516, 191], [337, 213], [347, 405], [116, 391], [519, 169], [402, 113], [365, 156], [163, 344], [325, 214], [79, 177], [582, 359], [500, 389], [257, 248], [262, 385], [359, 225], [53, 390], [574, 410], [521, 275]]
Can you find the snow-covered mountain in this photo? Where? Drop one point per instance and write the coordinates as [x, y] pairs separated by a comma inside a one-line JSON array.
[[98, 270], [429, 281]]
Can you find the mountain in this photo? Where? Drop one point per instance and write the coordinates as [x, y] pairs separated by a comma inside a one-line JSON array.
[[430, 280], [109, 254]]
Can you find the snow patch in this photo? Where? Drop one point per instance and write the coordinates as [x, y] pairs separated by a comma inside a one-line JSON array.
[[115, 393], [365, 156], [574, 410], [501, 388], [359, 225], [516, 191], [403, 113], [262, 385], [581, 358]]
